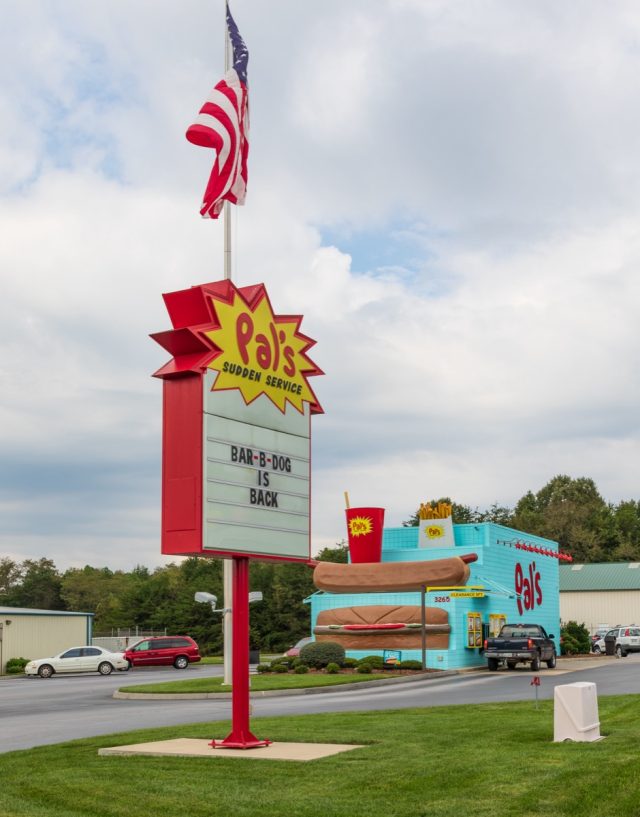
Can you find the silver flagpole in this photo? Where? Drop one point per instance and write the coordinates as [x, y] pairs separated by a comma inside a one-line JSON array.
[[227, 616]]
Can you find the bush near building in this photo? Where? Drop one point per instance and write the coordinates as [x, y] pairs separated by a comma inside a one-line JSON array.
[[574, 639], [16, 665]]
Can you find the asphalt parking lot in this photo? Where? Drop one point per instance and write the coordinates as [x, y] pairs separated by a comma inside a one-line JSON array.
[[36, 712]]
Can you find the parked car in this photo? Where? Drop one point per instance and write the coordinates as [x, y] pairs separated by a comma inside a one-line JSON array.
[[78, 659], [598, 646], [294, 652], [520, 644], [627, 639], [599, 634], [166, 650]]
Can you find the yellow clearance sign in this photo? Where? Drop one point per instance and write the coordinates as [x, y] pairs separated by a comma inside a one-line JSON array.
[[260, 352]]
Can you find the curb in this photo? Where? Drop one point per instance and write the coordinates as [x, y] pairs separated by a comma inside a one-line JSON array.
[[276, 693]]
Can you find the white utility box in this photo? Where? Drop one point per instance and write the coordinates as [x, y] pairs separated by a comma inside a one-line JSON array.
[[575, 713]]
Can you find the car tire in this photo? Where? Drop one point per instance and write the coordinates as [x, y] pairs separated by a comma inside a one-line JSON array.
[[45, 671], [181, 662], [535, 664], [492, 663], [619, 652], [105, 668], [597, 649], [551, 663]]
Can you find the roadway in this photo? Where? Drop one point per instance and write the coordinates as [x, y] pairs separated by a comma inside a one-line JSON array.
[[36, 712]]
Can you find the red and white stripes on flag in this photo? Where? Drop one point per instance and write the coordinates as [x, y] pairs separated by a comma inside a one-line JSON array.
[[223, 124]]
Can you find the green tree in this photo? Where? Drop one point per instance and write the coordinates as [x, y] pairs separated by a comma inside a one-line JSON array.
[[338, 553], [574, 639], [282, 617], [570, 512], [627, 525], [498, 514], [96, 590], [10, 576], [39, 586]]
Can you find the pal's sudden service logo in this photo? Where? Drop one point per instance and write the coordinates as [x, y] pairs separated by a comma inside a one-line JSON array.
[[360, 525], [261, 352]]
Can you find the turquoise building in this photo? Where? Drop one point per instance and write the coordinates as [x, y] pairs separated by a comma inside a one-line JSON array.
[[514, 579]]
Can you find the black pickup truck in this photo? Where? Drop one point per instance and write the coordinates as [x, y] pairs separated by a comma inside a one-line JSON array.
[[520, 644]]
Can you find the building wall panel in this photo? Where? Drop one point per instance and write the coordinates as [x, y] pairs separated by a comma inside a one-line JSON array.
[[38, 636], [597, 607]]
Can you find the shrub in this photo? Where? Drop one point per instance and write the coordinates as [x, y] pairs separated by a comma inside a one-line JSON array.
[[333, 668], [264, 668], [574, 639], [350, 663], [408, 664], [282, 660], [569, 646], [374, 661], [16, 665], [320, 653], [280, 668], [364, 669], [301, 669]]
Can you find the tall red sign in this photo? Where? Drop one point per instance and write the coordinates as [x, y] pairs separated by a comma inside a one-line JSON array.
[[236, 451], [237, 403]]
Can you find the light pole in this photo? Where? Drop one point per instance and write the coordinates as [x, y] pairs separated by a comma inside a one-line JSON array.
[[209, 598]]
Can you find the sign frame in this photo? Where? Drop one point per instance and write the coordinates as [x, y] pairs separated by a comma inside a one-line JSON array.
[[200, 394]]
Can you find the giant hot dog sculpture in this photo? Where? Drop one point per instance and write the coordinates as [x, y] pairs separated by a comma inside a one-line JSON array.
[[379, 626]]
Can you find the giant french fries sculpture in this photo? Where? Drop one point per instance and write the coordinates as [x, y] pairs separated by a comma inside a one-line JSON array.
[[441, 511]]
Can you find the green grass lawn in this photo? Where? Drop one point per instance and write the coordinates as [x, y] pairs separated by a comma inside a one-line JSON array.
[[267, 681], [488, 759]]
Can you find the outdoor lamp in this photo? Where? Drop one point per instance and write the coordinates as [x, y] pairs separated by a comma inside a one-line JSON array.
[[206, 598]]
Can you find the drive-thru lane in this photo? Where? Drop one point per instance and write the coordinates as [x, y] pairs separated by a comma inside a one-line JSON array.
[[34, 712]]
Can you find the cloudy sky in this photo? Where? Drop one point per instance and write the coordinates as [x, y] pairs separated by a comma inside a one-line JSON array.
[[447, 190]]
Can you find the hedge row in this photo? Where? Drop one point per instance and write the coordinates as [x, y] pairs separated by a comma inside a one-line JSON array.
[[330, 656]]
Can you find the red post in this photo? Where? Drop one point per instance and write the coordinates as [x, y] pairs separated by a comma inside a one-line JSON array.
[[240, 736]]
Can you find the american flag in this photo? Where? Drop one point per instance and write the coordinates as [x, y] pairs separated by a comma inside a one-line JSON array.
[[223, 124]]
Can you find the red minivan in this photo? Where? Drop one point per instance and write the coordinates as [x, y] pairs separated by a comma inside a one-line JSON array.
[[179, 650]]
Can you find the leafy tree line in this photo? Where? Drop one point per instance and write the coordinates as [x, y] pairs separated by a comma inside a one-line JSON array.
[[164, 598], [568, 511]]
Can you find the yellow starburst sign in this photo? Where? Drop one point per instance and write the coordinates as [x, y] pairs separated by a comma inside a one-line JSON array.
[[360, 525], [260, 352]]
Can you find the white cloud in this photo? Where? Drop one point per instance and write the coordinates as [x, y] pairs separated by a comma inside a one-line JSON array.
[[493, 144]]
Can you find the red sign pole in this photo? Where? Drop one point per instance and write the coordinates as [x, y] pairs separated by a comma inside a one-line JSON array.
[[240, 736]]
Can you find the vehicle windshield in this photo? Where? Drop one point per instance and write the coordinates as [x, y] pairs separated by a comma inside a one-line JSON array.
[[141, 645]]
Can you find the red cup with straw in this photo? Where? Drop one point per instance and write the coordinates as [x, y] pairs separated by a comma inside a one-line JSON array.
[[364, 532]]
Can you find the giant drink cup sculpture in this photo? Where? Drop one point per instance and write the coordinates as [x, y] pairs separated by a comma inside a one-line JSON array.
[[364, 529]]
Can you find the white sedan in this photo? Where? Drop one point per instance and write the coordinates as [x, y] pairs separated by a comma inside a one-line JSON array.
[[78, 659]]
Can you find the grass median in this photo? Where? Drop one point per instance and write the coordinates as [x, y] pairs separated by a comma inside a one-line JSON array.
[[479, 760], [259, 683]]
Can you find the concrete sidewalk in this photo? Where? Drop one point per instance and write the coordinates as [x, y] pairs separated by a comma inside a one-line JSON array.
[[194, 747]]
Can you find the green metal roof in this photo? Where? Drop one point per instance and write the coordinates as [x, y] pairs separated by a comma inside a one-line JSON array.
[[28, 611], [600, 576]]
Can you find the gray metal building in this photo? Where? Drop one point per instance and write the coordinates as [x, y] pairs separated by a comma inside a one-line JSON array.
[[26, 633], [605, 593]]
